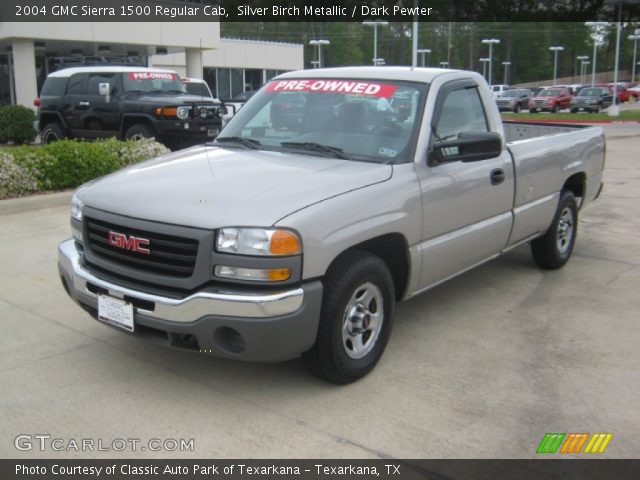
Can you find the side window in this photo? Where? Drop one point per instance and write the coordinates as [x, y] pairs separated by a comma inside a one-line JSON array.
[[462, 111], [95, 79], [77, 83]]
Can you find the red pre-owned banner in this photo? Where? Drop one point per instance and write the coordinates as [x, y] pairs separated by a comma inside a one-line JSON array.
[[356, 87], [152, 76]]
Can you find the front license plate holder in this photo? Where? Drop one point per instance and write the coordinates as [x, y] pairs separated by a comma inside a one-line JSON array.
[[115, 311]]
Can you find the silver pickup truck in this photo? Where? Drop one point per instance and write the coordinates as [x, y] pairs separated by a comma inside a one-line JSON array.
[[332, 195]]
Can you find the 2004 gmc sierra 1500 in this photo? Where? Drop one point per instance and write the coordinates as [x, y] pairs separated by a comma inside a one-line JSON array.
[[332, 195]]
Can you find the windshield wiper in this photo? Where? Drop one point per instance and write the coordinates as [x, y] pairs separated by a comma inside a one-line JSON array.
[[247, 142], [317, 147]]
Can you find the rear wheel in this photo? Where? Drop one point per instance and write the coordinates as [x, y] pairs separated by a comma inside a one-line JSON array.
[[138, 132], [52, 132], [533, 110], [574, 110], [355, 320], [554, 248]]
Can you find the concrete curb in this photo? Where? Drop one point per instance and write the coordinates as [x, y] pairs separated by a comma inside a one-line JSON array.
[[35, 202]]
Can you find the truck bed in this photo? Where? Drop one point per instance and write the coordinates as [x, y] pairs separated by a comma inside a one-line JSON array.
[[516, 131]]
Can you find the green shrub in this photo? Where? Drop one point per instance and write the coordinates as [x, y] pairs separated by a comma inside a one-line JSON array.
[[16, 124], [69, 163]]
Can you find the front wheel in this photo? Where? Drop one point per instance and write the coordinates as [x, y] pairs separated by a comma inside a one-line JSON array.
[[552, 250], [555, 109], [138, 132], [516, 109], [355, 320], [533, 110]]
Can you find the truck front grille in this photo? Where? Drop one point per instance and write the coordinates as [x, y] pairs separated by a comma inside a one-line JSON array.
[[167, 254]]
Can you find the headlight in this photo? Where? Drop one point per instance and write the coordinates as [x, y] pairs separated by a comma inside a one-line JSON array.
[[222, 111], [258, 241], [183, 113], [76, 208]]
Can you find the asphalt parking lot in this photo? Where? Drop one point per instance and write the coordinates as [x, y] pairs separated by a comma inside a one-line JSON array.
[[480, 367]]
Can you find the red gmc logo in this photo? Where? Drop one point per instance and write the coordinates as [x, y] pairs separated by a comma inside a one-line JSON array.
[[131, 243]]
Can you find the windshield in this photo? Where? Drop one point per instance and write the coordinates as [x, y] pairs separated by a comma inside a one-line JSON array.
[[365, 120], [550, 93], [589, 92], [152, 82]]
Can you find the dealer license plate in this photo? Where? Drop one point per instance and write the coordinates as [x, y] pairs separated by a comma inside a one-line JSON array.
[[116, 312]]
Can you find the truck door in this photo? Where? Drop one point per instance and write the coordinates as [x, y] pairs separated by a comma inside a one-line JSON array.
[[74, 103], [466, 205], [102, 116]]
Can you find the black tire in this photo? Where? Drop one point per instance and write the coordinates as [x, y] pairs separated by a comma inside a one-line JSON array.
[[533, 110], [552, 250], [516, 109], [574, 110], [139, 131], [355, 281], [555, 108], [52, 132]]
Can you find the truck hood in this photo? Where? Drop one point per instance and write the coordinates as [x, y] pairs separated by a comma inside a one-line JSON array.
[[167, 98], [212, 187]]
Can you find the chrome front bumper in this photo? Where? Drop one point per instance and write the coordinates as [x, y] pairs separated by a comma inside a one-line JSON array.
[[187, 309]]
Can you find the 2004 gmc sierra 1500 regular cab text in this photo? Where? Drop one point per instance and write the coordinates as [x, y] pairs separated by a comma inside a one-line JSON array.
[[298, 237]]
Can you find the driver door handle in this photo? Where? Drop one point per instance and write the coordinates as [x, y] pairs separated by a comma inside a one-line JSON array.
[[497, 176]]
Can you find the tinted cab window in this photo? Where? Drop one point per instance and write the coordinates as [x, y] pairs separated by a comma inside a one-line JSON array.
[[95, 79], [77, 84], [462, 111]]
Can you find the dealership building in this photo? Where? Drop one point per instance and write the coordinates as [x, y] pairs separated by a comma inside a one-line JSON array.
[[29, 51]]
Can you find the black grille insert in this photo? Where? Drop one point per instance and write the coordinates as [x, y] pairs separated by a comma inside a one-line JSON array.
[[169, 255]]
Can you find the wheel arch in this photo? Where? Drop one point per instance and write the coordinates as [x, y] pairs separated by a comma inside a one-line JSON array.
[[393, 249], [51, 117], [576, 184]]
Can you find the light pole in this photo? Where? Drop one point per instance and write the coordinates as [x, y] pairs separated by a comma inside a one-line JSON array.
[[490, 42], [635, 37], [597, 41], [484, 61], [444, 64], [555, 51], [582, 59], [506, 69], [424, 52], [319, 44], [375, 24], [586, 65]]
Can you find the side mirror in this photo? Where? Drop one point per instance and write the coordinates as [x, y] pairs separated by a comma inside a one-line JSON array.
[[468, 147], [104, 89]]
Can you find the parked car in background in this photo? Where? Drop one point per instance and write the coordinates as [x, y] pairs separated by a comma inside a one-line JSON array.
[[197, 86], [498, 90], [627, 95], [536, 90], [127, 103], [550, 100], [514, 100], [591, 99]]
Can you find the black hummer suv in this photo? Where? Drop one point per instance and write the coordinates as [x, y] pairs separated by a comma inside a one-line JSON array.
[[125, 102]]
